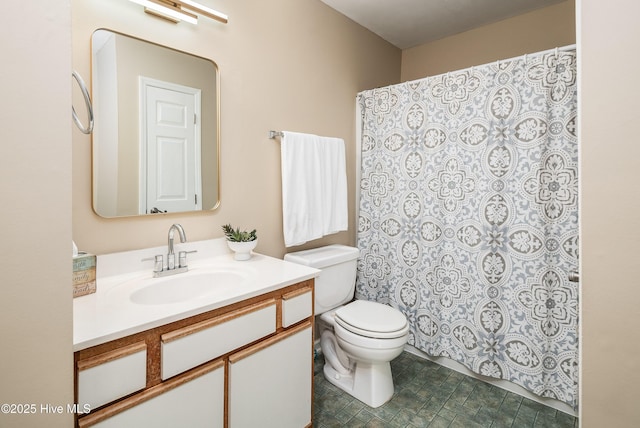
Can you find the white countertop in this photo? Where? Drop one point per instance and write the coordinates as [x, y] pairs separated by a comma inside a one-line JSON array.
[[110, 314]]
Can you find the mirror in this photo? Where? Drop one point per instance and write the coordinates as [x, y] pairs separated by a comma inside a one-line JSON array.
[[156, 137]]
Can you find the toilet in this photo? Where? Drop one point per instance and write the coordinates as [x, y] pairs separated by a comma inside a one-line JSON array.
[[358, 338]]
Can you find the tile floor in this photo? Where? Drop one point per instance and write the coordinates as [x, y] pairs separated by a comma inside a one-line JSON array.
[[429, 395]]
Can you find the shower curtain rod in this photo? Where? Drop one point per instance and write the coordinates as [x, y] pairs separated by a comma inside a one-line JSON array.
[[557, 49]]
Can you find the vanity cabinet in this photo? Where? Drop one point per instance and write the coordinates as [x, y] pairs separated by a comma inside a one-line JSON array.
[[244, 365]]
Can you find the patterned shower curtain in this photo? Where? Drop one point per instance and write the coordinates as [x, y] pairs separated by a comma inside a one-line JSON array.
[[468, 217]]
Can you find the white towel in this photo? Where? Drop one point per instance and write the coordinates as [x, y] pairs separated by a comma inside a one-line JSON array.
[[314, 187]]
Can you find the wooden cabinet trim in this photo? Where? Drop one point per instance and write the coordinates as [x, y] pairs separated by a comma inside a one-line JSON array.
[[279, 315], [120, 406], [296, 293], [203, 325], [111, 355], [234, 358]]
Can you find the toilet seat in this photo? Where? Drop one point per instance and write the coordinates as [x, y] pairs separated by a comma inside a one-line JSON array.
[[367, 348], [372, 319]]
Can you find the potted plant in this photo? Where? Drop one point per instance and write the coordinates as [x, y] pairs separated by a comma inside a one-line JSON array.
[[241, 242]]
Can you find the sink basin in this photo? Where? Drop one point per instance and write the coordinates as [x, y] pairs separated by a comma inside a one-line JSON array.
[[187, 286]]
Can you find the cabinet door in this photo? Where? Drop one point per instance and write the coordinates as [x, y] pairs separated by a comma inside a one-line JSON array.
[[193, 400], [270, 383]]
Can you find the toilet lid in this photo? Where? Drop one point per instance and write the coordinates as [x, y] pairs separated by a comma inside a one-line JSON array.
[[372, 319]]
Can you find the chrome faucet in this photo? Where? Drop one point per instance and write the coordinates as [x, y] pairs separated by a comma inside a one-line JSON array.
[[171, 269], [171, 257]]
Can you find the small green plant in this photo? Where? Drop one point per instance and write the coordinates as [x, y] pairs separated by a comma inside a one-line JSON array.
[[235, 235]]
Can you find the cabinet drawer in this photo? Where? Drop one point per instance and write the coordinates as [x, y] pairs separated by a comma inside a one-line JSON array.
[[114, 374], [296, 306], [191, 346]]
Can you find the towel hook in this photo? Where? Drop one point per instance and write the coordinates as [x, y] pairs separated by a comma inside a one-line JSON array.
[[87, 99]]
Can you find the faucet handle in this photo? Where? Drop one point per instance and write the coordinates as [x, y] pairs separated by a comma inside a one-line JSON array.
[[158, 266], [182, 257]]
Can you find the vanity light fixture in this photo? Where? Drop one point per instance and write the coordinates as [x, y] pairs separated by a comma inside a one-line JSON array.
[[180, 10], [194, 7], [166, 11]]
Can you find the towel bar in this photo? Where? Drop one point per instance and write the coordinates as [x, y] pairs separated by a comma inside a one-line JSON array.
[[87, 99]]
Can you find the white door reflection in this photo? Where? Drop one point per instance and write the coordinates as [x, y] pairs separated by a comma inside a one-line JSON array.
[[170, 178]]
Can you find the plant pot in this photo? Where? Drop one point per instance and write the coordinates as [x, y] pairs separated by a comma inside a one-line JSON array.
[[242, 249]]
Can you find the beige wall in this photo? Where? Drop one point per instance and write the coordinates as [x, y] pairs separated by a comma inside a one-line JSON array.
[[542, 29], [36, 358], [609, 41], [284, 65]]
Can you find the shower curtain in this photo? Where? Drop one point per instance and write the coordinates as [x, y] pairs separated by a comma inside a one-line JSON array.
[[468, 216]]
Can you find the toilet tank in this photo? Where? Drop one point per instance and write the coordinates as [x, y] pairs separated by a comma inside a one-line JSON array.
[[336, 283]]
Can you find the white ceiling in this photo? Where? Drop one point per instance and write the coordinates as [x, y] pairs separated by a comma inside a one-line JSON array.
[[408, 23]]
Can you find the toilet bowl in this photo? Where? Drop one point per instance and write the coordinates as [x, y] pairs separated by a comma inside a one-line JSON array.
[[357, 357], [358, 338]]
